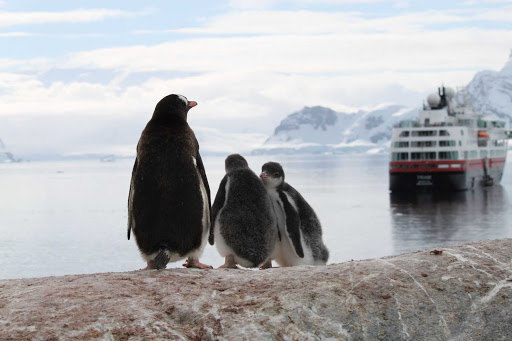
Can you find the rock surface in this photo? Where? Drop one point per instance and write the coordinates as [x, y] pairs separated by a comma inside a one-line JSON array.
[[464, 293]]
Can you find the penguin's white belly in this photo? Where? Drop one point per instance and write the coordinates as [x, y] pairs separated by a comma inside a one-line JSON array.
[[205, 220], [222, 247], [285, 253]]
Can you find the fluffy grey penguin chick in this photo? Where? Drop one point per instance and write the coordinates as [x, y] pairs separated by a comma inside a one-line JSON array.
[[299, 227], [244, 225], [169, 199]]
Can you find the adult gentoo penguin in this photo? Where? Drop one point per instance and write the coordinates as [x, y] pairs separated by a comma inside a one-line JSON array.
[[244, 225], [300, 230], [169, 199]]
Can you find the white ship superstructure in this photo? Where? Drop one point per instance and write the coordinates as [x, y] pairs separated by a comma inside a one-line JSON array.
[[449, 147]]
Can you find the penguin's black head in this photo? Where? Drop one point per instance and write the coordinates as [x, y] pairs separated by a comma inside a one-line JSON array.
[[173, 105], [235, 161], [272, 174]]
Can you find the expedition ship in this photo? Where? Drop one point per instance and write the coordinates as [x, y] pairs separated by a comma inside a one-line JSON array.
[[449, 147]]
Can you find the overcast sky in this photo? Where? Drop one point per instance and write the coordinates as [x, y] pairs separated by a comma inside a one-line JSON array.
[[84, 76]]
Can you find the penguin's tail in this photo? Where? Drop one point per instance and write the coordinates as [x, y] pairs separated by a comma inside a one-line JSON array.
[[161, 259]]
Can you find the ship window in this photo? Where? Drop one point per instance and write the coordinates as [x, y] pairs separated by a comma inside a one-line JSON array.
[[483, 153], [407, 124], [400, 156], [423, 144], [448, 155], [474, 154], [499, 143], [497, 152], [468, 123], [404, 133], [444, 133], [481, 124], [424, 133], [401, 144], [482, 143], [447, 143], [423, 156]]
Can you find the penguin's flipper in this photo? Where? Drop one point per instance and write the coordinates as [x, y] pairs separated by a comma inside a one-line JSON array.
[[292, 224], [200, 168], [130, 201], [218, 203]]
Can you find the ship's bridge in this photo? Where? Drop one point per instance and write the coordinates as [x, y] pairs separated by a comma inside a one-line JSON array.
[[438, 117]]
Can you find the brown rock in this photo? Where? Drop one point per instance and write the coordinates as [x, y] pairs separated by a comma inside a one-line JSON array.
[[467, 295]]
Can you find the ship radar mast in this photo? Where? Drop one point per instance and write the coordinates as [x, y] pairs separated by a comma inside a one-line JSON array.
[[442, 99]]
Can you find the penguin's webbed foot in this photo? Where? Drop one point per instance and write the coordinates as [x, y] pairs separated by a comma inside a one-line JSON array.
[[230, 263], [227, 266], [268, 265], [195, 263], [151, 266]]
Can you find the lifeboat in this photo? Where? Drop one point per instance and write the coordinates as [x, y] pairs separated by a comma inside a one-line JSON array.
[[483, 134]]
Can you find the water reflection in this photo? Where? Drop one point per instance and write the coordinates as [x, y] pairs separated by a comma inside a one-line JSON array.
[[425, 220]]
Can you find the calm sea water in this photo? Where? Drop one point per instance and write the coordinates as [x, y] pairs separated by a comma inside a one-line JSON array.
[[70, 217]]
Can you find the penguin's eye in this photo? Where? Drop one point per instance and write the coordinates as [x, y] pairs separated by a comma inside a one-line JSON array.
[[276, 175]]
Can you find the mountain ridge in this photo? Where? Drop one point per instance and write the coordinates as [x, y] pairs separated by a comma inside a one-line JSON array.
[[320, 129]]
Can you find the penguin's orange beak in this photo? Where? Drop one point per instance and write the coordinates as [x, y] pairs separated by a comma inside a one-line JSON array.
[[264, 175], [192, 104]]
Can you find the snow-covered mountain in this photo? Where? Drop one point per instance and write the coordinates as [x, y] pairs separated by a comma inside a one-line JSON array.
[[490, 92], [6, 156], [322, 130]]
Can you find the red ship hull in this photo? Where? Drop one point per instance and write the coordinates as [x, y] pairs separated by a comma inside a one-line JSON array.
[[444, 175]]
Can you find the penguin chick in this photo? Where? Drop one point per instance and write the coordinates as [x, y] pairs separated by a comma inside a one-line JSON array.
[[244, 225], [169, 199], [300, 230]]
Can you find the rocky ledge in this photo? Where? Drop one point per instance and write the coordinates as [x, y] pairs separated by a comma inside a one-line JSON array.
[[461, 293]]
